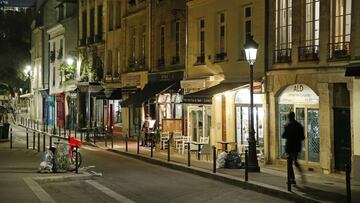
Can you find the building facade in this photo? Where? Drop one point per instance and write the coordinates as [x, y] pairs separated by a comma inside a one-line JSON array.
[[311, 46], [217, 74]]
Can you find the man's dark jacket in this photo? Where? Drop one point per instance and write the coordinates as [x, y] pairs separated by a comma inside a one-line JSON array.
[[294, 135]]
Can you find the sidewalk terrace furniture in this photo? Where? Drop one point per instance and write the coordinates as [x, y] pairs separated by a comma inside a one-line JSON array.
[[181, 143], [226, 143], [164, 138], [199, 144], [205, 150]]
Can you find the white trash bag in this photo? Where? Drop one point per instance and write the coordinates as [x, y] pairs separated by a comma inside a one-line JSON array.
[[46, 164], [220, 162]]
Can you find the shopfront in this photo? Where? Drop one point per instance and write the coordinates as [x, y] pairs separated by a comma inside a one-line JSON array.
[[50, 112], [242, 119], [304, 102], [60, 110]]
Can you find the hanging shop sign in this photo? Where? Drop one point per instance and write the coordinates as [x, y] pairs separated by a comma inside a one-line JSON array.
[[131, 81], [166, 76], [298, 94]]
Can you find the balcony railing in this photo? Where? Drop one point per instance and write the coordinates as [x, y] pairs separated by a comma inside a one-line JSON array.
[[175, 60], [309, 53], [200, 60], [220, 57], [282, 56], [339, 51], [161, 62]]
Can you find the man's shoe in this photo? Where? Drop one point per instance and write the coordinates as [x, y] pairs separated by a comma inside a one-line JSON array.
[[293, 182]]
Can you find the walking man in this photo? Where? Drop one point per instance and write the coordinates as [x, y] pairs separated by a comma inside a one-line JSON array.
[[294, 135]]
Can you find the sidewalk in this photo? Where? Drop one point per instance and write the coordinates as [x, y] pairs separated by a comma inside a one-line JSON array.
[[271, 180]]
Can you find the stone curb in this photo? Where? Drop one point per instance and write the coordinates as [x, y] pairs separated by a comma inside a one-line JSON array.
[[63, 178], [252, 185]]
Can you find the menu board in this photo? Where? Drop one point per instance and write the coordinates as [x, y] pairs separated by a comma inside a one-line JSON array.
[[172, 125]]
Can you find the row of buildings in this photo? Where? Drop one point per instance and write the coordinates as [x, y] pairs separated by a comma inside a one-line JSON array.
[[111, 62]]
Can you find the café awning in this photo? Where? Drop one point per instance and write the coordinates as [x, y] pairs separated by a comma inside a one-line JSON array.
[[110, 94], [205, 96], [150, 90], [353, 70]]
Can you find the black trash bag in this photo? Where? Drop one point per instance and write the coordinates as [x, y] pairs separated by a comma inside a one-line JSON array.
[[233, 160]]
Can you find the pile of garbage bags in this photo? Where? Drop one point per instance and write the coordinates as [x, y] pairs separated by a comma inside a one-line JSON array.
[[56, 159], [229, 160]]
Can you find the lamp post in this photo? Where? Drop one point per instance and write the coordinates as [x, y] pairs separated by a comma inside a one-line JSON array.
[[250, 51], [27, 73]]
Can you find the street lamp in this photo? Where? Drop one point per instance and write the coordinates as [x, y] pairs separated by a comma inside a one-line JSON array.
[[70, 61], [250, 52], [27, 73]]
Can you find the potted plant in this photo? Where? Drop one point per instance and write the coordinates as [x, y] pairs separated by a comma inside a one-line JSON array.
[[157, 139]]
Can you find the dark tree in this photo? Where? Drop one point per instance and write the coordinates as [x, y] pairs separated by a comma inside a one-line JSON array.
[[15, 46]]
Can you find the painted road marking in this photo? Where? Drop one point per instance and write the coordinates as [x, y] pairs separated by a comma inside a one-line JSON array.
[[109, 192], [41, 194]]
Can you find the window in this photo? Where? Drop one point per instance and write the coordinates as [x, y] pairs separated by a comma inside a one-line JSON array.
[[84, 27], [247, 21], [176, 59], [109, 66], [312, 22], [100, 22], [92, 22], [222, 33], [143, 43], [310, 49], [162, 46], [117, 14], [340, 29], [61, 12], [201, 57], [133, 44], [61, 50], [111, 15], [54, 69], [283, 35], [118, 61]]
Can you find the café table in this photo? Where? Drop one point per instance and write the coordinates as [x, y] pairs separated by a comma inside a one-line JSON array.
[[226, 143]]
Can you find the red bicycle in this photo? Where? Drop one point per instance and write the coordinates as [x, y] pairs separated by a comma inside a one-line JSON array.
[[74, 150]]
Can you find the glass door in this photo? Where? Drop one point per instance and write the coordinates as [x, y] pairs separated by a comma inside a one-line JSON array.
[[196, 123]]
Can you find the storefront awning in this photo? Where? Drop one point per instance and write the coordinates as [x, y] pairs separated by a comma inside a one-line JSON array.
[[111, 94], [150, 90], [353, 70], [205, 96]]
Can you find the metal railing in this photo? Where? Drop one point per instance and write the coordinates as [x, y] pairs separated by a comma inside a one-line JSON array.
[[309, 53], [282, 56], [339, 51]]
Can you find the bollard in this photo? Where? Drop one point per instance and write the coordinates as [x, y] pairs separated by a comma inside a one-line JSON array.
[[189, 154], [33, 140], [289, 162], [59, 132], [76, 160], [105, 138], [348, 184], [69, 131], [38, 141], [112, 140], [214, 159], [126, 143], [81, 135], [50, 141], [168, 149], [27, 138], [75, 134], [152, 147], [246, 165], [44, 142], [138, 144], [10, 138], [94, 135], [37, 124]]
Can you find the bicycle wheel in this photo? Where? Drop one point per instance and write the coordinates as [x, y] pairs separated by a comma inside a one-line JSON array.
[[73, 158]]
